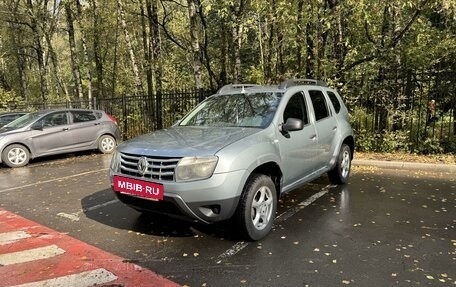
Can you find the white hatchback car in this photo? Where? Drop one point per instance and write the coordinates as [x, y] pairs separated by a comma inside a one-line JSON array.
[[236, 153]]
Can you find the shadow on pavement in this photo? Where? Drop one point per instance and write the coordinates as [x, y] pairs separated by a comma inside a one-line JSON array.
[[103, 207]]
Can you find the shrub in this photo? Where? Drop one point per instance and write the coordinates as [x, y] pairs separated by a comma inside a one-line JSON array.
[[429, 145], [9, 100]]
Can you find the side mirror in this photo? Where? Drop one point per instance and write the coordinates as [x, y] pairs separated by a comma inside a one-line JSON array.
[[292, 124], [39, 125]]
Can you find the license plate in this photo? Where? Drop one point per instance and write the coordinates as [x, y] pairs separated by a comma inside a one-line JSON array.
[[139, 188]]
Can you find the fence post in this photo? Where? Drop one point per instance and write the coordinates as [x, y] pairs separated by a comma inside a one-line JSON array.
[[159, 110], [200, 95], [124, 116]]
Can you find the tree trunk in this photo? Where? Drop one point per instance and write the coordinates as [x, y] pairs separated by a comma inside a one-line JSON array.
[[138, 84], [38, 47], [237, 31], [114, 64], [16, 36], [57, 72], [205, 47], [86, 55], [310, 42], [147, 51], [299, 37], [73, 52], [224, 50], [310, 52], [155, 47], [454, 120], [97, 50], [269, 35], [281, 69], [194, 40]]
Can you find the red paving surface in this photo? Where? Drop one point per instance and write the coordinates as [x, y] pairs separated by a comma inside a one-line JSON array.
[[78, 257]]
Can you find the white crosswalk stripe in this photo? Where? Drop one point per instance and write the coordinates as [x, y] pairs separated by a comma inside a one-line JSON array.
[[83, 279], [11, 237], [30, 255]]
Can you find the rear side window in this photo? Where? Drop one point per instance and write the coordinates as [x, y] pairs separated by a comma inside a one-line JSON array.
[[334, 101], [319, 105], [83, 116]]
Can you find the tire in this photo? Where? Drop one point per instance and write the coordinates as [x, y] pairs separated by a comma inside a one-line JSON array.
[[16, 155], [106, 144], [257, 207], [341, 171]]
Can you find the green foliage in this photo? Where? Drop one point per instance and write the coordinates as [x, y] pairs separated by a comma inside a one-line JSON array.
[[382, 142], [387, 58], [429, 146], [9, 100], [448, 144]]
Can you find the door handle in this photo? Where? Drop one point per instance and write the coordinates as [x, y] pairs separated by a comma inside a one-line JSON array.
[[313, 137], [65, 129], [96, 124]]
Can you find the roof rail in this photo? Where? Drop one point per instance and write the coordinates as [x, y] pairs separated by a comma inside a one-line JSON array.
[[235, 87], [297, 82]]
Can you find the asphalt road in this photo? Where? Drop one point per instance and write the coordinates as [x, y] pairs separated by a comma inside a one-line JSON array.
[[387, 227]]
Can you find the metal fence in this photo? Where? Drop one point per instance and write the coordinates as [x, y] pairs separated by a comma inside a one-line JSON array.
[[137, 115], [404, 124], [414, 112]]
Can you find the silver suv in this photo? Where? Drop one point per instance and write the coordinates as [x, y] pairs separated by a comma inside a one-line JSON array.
[[236, 153]]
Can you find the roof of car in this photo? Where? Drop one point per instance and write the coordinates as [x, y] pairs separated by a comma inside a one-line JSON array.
[[11, 113], [249, 88], [66, 109]]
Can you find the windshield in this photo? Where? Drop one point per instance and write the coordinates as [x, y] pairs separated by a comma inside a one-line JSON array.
[[238, 110], [23, 121]]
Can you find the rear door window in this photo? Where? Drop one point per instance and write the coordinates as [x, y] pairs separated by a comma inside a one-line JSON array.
[[319, 104]]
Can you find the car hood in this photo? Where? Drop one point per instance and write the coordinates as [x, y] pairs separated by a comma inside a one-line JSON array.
[[9, 131], [185, 141]]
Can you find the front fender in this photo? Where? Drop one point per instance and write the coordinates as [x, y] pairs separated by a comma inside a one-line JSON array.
[[247, 154]]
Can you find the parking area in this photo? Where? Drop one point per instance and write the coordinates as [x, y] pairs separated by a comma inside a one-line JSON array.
[[387, 227]]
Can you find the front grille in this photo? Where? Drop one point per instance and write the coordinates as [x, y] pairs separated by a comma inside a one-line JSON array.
[[159, 168]]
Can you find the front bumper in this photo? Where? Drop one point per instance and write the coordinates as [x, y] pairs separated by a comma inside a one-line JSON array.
[[207, 201]]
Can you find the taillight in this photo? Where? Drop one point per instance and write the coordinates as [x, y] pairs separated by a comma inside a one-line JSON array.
[[112, 118]]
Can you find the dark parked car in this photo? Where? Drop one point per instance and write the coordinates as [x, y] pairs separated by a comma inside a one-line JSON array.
[[236, 153], [6, 118], [52, 132]]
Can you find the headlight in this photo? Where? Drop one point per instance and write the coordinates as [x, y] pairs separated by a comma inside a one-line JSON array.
[[195, 168], [115, 162]]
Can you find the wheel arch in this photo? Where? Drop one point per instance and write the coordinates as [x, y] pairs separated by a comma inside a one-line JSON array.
[[272, 170], [107, 133], [32, 154], [350, 141]]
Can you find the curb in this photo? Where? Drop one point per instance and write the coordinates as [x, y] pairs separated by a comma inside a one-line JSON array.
[[406, 165]]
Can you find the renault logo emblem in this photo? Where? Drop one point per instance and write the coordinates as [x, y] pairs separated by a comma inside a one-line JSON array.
[[143, 164]]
